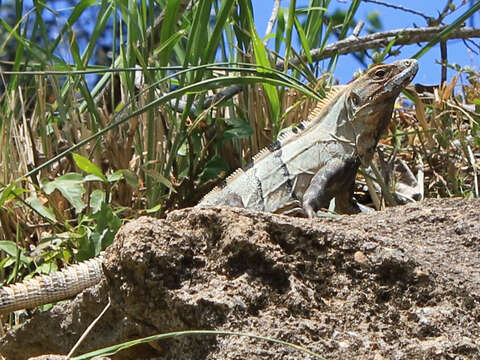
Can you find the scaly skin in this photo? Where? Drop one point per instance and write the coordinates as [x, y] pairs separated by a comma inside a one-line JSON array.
[[56, 286], [304, 170], [300, 173]]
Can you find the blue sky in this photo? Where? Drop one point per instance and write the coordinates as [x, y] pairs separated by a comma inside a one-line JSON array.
[[429, 71]]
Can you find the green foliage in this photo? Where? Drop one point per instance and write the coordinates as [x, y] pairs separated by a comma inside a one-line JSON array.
[[448, 29], [216, 165], [112, 350], [16, 257], [96, 227], [374, 22], [152, 133], [71, 187], [96, 231]]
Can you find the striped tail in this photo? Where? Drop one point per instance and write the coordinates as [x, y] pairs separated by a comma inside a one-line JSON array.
[[44, 289]]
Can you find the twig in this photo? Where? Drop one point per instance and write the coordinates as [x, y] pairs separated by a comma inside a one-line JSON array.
[[400, 7], [471, 159], [225, 94], [443, 55], [272, 20], [421, 178], [87, 331], [349, 45], [358, 28], [469, 46], [355, 33], [380, 39], [446, 10]]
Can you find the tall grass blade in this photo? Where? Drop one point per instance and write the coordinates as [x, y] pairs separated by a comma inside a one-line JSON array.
[[289, 29], [444, 33], [112, 350], [168, 28], [261, 58]]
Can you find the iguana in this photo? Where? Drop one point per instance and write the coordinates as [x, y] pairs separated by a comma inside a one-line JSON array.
[[301, 172]]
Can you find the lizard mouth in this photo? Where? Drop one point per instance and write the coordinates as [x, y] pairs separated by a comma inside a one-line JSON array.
[[373, 115], [410, 68], [397, 83]]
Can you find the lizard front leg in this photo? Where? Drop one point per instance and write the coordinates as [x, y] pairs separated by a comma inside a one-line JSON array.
[[335, 179]]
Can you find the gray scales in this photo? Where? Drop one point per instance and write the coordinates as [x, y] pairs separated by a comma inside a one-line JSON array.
[[298, 174]]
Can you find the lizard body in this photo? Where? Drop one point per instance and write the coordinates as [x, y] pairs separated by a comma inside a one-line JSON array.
[[299, 173], [304, 169]]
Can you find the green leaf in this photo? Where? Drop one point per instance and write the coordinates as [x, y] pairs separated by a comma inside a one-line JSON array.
[[303, 40], [213, 169], [86, 247], [10, 192], [93, 178], [288, 41], [160, 178], [46, 268], [116, 176], [74, 50], [375, 21], [112, 350], [79, 8], [236, 133], [447, 30], [71, 187], [12, 249], [183, 149], [347, 23], [130, 177], [154, 209], [314, 22], [41, 209], [169, 43], [89, 167], [6, 193], [97, 198], [348, 20], [240, 129], [107, 225], [261, 58], [198, 38], [168, 27], [280, 29], [220, 21], [98, 30]]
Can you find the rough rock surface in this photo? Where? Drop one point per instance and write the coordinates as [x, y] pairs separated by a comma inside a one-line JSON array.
[[398, 284]]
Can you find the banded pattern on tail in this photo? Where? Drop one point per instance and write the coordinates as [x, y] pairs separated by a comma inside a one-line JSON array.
[[56, 286], [298, 174]]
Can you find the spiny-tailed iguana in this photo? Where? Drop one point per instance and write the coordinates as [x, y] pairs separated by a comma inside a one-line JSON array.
[[300, 173]]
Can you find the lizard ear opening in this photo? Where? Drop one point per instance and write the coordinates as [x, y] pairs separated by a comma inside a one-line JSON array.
[[352, 105], [354, 100]]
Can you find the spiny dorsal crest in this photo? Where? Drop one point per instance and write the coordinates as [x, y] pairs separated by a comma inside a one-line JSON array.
[[285, 136], [296, 130]]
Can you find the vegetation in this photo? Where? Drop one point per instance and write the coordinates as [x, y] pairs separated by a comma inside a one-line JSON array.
[[191, 93]]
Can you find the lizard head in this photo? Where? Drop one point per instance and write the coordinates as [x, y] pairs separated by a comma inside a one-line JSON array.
[[370, 102]]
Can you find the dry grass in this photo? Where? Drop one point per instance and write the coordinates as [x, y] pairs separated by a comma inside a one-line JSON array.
[[142, 156]]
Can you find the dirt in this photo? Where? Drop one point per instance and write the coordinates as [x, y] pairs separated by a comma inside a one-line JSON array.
[[397, 284]]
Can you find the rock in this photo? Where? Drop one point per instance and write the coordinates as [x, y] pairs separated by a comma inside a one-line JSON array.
[[403, 281]]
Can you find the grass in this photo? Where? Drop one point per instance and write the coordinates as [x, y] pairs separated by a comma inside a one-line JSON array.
[[112, 350], [140, 140], [80, 160]]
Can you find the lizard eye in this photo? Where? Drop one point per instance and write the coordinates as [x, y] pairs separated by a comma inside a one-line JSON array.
[[380, 73]]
